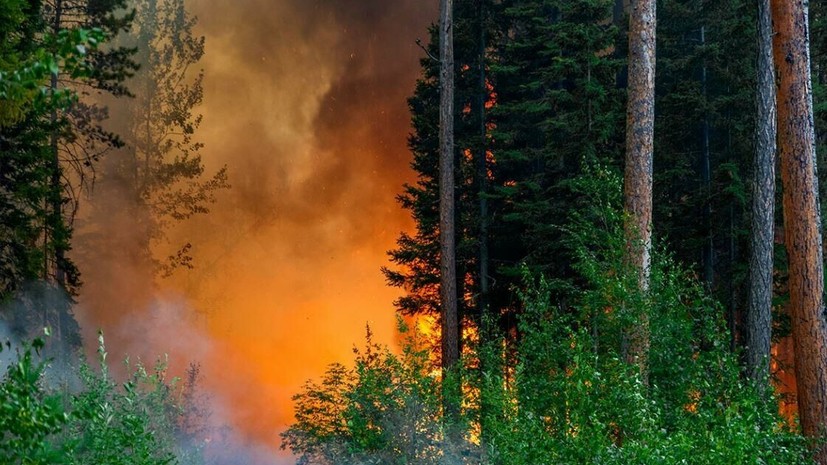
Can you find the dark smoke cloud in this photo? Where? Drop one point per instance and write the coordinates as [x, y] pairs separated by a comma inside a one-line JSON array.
[[305, 102]]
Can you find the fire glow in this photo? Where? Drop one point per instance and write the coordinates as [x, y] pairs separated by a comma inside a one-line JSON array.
[[305, 102]]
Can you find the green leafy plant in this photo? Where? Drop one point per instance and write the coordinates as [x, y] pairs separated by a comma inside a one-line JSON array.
[[142, 421], [383, 409], [30, 417], [126, 424], [573, 399]]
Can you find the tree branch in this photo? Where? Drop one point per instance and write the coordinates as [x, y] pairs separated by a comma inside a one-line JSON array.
[[419, 42]]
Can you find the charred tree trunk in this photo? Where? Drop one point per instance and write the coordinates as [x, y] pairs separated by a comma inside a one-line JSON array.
[[448, 280], [802, 219], [759, 311], [640, 125]]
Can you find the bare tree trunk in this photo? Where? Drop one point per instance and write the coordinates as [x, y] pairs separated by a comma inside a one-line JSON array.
[[485, 334], [706, 178], [482, 171], [759, 312], [448, 281], [56, 183], [640, 126], [802, 219]]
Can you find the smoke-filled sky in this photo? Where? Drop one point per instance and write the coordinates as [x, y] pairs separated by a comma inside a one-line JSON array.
[[305, 103]]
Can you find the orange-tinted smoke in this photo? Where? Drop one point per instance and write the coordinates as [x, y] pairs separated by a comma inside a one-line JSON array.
[[305, 102]]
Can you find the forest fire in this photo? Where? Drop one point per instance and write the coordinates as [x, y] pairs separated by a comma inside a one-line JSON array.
[[305, 105], [229, 206]]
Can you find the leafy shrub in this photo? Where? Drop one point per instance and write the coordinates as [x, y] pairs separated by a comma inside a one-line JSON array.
[[143, 421], [567, 396], [121, 425], [574, 400], [384, 410], [30, 418]]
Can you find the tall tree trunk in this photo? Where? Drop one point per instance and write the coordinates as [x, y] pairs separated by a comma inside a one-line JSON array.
[[485, 334], [759, 311], [56, 183], [706, 178], [482, 172], [55, 312], [802, 219], [448, 281], [640, 125]]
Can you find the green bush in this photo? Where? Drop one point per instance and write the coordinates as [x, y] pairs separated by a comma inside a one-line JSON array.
[[143, 421], [562, 393], [384, 410], [122, 425], [30, 418], [574, 400]]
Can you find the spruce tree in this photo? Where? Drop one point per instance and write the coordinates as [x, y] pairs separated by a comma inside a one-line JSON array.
[[557, 111]]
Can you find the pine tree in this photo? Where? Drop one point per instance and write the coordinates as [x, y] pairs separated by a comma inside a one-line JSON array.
[[35, 233], [637, 181], [417, 254], [450, 331], [158, 177], [557, 112], [705, 139], [77, 137], [802, 217], [759, 312], [580, 124], [23, 160]]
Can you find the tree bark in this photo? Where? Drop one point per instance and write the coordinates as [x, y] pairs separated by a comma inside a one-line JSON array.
[[706, 178], [759, 311], [482, 172], [448, 290], [640, 125], [485, 334], [802, 219], [56, 183]]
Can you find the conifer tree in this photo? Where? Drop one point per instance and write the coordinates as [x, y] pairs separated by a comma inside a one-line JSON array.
[[447, 236], [802, 216], [759, 313], [640, 128], [526, 202], [417, 254], [557, 111], [77, 137], [159, 174], [705, 96]]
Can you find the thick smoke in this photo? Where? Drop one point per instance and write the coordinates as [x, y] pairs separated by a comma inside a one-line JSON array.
[[305, 102]]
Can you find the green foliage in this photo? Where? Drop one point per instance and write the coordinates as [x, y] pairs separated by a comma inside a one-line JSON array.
[[121, 425], [564, 393], [26, 102], [25, 88], [40, 116], [574, 400], [384, 409], [548, 106], [30, 418], [558, 110], [138, 422]]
